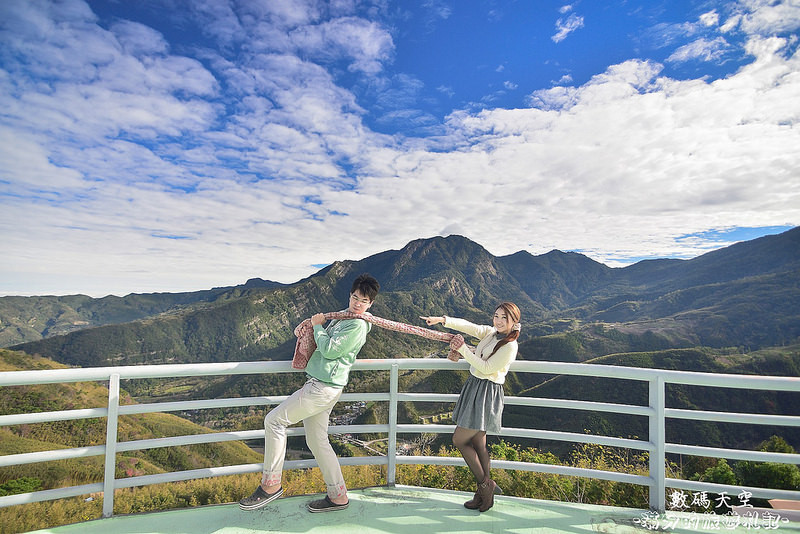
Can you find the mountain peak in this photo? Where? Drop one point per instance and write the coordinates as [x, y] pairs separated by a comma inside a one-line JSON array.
[[751, 284]]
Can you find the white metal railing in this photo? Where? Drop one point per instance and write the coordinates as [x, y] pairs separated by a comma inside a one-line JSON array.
[[656, 411]]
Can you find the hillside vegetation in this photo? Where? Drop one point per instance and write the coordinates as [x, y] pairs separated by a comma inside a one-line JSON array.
[[25, 319], [777, 362], [20, 439], [746, 295]]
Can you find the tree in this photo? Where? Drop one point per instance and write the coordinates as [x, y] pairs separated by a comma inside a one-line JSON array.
[[722, 473], [770, 474]]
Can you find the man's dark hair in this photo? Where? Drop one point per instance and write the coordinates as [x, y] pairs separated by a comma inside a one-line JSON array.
[[367, 285]]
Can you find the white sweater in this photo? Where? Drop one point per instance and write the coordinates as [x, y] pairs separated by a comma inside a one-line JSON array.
[[494, 368]]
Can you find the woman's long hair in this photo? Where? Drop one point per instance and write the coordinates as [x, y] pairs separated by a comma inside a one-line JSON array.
[[513, 314]]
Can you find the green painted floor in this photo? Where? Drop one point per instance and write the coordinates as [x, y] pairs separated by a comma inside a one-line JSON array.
[[399, 509]]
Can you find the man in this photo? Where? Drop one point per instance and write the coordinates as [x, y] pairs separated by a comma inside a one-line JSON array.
[[328, 370]]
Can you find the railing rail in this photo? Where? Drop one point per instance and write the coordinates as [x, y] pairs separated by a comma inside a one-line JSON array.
[[656, 412]]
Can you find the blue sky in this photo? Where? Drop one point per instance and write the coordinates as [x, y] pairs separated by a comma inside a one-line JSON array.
[[179, 145]]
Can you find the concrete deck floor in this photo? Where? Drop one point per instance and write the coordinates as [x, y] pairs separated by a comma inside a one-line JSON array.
[[390, 510]]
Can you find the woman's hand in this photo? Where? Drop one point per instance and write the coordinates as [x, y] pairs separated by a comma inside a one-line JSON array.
[[430, 321], [318, 318]]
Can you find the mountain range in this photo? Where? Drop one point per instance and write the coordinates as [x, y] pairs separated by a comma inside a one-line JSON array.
[[746, 295], [733, 310]]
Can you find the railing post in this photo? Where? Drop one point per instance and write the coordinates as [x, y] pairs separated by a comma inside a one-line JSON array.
[[111, 445], [391, 453], [657, 434]]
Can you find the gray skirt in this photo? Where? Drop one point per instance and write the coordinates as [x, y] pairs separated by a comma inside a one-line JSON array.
[[480, 405]]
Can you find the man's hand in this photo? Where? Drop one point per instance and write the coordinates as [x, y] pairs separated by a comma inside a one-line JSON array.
[[318, 319], [456, 342]]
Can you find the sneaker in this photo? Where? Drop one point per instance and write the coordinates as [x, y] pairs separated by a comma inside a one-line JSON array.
[[326, 505], [259, 498]]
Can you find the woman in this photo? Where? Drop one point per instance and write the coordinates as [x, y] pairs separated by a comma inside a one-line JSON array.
[[479, 408]]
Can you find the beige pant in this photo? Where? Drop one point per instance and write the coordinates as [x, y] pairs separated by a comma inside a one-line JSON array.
[[312, 404]]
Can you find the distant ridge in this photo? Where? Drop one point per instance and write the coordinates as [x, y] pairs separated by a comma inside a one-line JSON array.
[[745, 295], [32, 318]]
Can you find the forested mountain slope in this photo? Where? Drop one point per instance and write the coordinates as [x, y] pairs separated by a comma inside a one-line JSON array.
[[746, 295]]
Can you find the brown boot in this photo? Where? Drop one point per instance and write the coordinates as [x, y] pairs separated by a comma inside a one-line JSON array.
[[486, 491], [475, 503]]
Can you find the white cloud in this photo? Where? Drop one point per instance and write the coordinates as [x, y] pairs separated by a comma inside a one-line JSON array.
[[188, 183], [664, 35], [555, 98], [766, 17], [653, 158], [567, 26], [279, 13], [137, 39], [451, 229], [709, 19], [366, 44], [446, 90], [173, 170], [731, 23], [26, 168], [701, 49], [438, 9]]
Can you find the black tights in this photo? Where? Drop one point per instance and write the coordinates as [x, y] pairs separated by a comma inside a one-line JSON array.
[[472, 444]]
